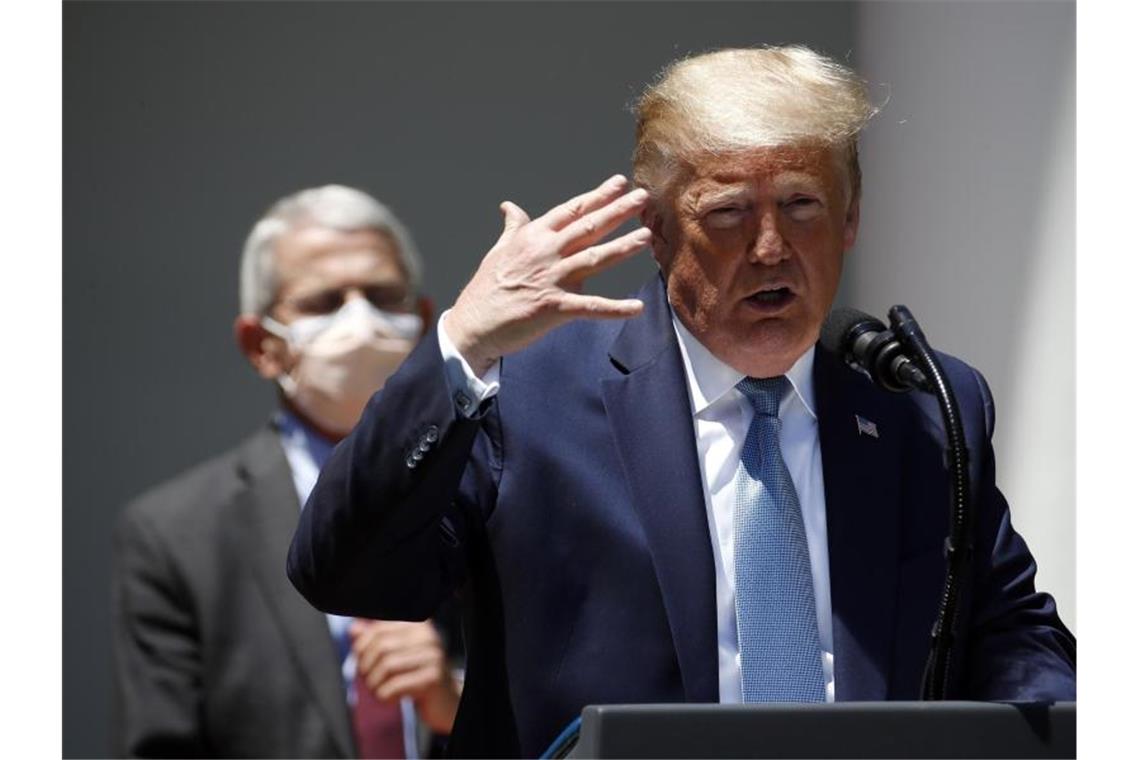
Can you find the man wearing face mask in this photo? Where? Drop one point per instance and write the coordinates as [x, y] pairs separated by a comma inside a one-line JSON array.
[[215, 653]]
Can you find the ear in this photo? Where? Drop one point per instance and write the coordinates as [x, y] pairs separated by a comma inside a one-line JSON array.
[[266, 352], [654, 220], [851, 224], [426, 309]]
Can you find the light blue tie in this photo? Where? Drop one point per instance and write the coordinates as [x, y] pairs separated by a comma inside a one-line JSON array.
[[780, 654]]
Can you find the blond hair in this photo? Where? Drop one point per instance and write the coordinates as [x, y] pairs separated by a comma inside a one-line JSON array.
[[736, 100]]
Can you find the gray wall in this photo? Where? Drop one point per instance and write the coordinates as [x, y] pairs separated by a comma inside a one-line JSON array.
[[182, 123]]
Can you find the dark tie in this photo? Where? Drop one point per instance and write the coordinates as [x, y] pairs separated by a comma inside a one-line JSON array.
[[780, 654], [378, 726]]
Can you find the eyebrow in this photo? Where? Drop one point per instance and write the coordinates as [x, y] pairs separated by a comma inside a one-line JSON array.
[[704, 197]]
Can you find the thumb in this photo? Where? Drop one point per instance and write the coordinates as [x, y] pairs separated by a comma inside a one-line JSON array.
[[513, 217]]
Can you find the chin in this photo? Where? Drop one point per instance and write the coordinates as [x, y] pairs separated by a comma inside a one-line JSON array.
[[768, 350]]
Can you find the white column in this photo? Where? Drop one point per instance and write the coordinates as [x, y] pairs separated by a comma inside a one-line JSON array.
[[968, 218]]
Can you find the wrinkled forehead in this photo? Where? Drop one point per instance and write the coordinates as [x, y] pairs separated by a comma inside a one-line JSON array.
[[820, 167]]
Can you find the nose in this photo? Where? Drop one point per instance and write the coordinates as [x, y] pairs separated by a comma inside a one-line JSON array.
[[352, 294], [768, 247]]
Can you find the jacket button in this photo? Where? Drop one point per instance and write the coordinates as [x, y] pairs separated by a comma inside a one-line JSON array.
[[424, 446], [417, 455], [410, 462], [432, 434]]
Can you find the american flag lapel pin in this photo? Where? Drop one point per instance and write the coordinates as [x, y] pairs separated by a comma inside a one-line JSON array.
[[866, 427]]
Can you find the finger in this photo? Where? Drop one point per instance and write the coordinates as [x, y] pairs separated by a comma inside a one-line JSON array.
[[367, 658], [588, 262], [396, 664], [411, 643], [366, 634], [389, 634], [362, 636], [578, 206], [366, 626], [379, 641], [596, 307], [601, 222], [405, 685], [513, 218]]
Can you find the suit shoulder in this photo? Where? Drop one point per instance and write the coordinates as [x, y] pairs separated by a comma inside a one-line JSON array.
[[972, 393], [192, 497], [573, 349]]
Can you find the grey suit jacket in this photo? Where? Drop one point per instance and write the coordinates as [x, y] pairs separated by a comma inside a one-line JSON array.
[[216, 654]]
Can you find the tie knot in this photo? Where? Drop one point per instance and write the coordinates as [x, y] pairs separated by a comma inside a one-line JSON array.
[[765, 393]]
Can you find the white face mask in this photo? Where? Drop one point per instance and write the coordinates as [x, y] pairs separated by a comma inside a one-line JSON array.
[[342, 359]]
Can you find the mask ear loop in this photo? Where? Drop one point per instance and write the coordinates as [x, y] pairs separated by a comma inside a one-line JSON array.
[[286, 382], [273, 327]]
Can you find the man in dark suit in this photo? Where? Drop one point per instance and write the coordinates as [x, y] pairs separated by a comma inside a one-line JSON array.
[[216, 655], [678, 497]]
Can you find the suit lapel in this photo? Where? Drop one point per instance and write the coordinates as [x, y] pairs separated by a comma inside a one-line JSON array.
[[860, 433], [274, 511], [651, 421]]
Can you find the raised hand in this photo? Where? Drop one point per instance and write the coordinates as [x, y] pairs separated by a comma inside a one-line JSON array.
[[531, 280]]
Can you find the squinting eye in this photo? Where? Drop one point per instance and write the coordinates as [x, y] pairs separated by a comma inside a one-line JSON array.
[[325, 302], [723, 218], [802, 209], [387, 298]]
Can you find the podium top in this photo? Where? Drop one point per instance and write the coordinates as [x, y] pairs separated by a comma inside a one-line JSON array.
[[843, 729]]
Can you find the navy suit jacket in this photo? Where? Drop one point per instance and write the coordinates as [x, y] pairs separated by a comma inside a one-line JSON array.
[[569, 517]]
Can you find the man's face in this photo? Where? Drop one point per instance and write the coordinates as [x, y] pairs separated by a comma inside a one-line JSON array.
[[752, 248], [318, 268]]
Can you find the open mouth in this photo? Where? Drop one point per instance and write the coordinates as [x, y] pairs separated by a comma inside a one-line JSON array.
[[773, 298]]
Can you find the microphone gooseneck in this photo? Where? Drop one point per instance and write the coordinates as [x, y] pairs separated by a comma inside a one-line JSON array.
[[959, 547], [899, 359]]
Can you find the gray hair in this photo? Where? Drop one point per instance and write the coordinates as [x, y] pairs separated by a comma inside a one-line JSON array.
[[333, 206], [742, 99]]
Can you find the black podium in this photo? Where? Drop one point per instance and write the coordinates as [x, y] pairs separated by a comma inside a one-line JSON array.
[[845, 729]]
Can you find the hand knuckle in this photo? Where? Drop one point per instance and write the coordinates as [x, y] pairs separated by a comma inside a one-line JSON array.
[[524, 238], [548, 300]]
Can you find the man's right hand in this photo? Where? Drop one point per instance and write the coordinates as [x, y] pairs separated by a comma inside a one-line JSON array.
[[530, 282]]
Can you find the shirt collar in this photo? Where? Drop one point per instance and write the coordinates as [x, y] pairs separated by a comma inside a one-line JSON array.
[[303, 438], [710, 379]]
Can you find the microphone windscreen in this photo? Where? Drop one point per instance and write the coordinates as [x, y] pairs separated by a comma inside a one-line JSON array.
[[836, 333]]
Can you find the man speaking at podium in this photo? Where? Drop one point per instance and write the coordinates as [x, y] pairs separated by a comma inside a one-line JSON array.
[[678, 497]]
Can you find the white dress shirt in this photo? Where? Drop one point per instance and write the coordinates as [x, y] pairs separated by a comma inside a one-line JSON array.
[[721, 418]]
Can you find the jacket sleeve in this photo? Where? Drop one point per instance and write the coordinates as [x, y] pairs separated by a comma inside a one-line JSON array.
[[1017, 647], [157, 666], [385, 529]]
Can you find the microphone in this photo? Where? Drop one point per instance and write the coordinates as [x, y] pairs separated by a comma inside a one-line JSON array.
[[871, 347], [899, 359]]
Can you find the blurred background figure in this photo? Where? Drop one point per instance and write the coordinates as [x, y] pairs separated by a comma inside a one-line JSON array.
[[215, 653]]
